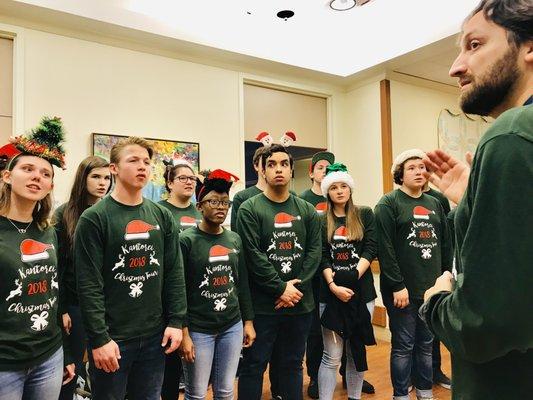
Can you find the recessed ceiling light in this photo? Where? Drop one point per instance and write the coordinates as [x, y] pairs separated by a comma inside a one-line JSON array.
[[285, 14], [342, 5]]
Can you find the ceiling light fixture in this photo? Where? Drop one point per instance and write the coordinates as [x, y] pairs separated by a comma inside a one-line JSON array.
[[342, 5]]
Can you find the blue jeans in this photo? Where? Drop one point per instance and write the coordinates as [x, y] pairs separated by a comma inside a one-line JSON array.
[[331, 360], [42, 382], [408, 333], [141, 369], [216, 355], [290, 334]]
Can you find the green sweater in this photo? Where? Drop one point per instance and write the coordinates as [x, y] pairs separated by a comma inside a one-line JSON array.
[[318, 201], [218, 293], [441, 198], [29, 323], [129, 271], [341, 255], [281, 242], [486, 321], [413, 242], [240, 198], [185, 217]]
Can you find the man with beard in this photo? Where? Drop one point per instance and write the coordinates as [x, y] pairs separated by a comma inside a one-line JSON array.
[[482, 318]]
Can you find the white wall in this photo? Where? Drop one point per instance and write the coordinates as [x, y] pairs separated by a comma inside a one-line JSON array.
[[415, 112], [357, 142]]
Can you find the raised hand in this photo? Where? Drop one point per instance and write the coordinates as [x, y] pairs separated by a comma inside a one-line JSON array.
[[448, 174]]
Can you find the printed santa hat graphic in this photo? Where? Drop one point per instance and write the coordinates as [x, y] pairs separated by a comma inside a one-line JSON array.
[[220, 253], [32, 250], [340, 233], [187, 221], [284, 220], [321, 208], [138, 229], [420, 212]]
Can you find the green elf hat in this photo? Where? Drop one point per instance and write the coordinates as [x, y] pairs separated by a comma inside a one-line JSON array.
[[44, 141], [321, 155], [336, 173]]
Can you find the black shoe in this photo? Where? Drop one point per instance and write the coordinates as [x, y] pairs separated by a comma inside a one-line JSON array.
[[442, 380], [312, 389], [368, 388]]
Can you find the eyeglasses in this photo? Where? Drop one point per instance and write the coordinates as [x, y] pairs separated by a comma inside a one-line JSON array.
[[185, 178], [215, 203]]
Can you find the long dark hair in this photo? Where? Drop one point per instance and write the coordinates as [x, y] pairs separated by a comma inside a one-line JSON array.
[[77, 202], [41, 211]]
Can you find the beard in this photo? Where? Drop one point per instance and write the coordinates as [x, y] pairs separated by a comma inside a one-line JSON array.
[[492, 89]]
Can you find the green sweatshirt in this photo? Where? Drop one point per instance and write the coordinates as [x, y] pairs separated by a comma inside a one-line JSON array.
[[341, 255], [68, 294], [218, 293], [240, 198], [318, 201], [413, 242], [129, 271], [29, 323], [185, 217], [281, 242], [441, 198], [486, 321]]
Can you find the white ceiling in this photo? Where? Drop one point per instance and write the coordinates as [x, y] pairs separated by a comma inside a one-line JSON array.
[[316, 38]]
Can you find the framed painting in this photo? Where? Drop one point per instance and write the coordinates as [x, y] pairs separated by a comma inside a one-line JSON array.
[[164, 150]]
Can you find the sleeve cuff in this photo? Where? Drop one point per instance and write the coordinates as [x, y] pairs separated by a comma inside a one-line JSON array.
[[100, 340]]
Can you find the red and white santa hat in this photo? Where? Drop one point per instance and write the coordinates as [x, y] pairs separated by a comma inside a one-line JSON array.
[[32, 250], [187, 221], [321, 208], [220, 253], [420, 212], [341, 233], [284, 220], [406, 155], [138, 229]]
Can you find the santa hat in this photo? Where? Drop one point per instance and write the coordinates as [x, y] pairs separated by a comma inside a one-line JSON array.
[[336, 173], [32, 250], [321, 155], [265, 138], [420, 212], [341, 233], [287, 139], [218, 180], [284, 220], [44, 141], [138, 229], [220, 253], [187, 221], [406, 155], [321, 207]]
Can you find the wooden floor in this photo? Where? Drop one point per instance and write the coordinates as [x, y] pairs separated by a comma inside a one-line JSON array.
[[378, 374]]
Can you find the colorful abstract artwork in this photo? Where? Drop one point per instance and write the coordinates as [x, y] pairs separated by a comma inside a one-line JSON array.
[[164, 150]]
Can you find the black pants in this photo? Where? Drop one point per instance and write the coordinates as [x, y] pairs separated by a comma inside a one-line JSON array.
[[171, 380]]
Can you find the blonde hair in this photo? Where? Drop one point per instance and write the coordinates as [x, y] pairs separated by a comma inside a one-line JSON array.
[[41, 211], [354, 225], [114, 156]]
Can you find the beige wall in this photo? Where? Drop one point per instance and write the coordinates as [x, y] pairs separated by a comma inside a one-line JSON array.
[[357, 142], [6, 88], [415, 112], [97, 88]]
